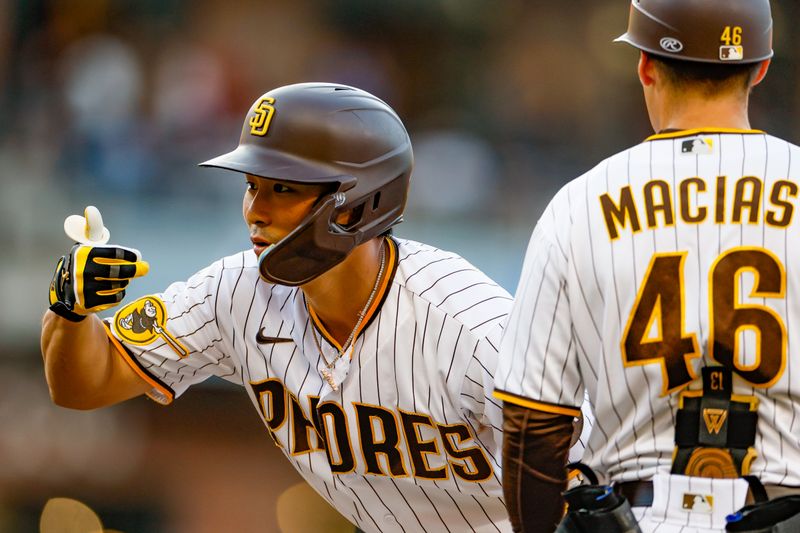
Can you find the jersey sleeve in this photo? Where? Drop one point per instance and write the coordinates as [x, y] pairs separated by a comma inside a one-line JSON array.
[[477, 391], [172, 339], [582, 431], [538, 367]]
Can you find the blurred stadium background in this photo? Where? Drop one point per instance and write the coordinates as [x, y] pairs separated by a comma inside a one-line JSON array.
[[114, 102]]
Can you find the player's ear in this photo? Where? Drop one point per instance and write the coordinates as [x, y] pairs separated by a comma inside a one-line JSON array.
[[763, 67], [646, 70]]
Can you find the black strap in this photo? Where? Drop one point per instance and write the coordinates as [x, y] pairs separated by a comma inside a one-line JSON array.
[[757, 489], [584, 469], [741, 424], [61, 309], [714, 421]]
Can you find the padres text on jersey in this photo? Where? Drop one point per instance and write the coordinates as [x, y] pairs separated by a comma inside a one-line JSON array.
[[413, 414]]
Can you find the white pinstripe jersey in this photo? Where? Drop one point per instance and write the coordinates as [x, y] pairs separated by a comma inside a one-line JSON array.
[[674, 254], [410, 440]]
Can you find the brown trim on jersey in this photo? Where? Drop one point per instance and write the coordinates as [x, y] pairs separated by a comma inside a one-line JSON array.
[[392, 262], [697, 131], [163, 393], [317, 323], [372, 312], [538, 406]]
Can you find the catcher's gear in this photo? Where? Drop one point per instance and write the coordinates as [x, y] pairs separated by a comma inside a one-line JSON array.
[[707, 31], [597, 508], [324, 133], [779, 515], [715, 434], [93, 278]]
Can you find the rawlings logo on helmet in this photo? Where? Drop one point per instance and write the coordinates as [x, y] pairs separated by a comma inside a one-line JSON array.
[[671, 44]]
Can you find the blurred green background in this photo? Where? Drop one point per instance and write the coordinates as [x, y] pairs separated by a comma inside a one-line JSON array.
[[114, 102]]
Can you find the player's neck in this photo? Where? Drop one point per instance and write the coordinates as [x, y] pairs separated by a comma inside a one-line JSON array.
[[338, 295], [689, 111]]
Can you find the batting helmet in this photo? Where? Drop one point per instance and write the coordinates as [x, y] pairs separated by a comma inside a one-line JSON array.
[[707, 31], [324, 133]]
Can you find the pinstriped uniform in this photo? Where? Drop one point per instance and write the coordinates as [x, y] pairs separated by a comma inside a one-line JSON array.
[[410, 441], [674, 254]]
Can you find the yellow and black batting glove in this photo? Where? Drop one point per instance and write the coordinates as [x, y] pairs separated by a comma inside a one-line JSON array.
[[93, 278]]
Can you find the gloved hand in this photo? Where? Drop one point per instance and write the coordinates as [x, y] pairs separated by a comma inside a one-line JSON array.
[[92, 277]]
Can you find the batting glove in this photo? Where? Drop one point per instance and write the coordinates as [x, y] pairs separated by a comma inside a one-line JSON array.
[[93, 278]]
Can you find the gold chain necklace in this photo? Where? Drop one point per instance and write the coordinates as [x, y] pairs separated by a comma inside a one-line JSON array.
[[326, 372]]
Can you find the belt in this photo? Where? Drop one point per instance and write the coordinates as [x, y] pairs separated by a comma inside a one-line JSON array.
[[640, 493]]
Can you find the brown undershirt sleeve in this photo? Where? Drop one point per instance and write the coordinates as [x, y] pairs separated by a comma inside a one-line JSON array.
[[535, 448]]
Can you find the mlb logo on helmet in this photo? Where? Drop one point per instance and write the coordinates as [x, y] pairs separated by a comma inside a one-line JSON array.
[[731, 53]]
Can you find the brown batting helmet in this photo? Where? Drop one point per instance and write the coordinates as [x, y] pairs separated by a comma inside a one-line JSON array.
[[324, 133], [707, 31]]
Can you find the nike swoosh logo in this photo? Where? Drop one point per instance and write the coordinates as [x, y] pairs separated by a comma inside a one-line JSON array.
[[264, 339]]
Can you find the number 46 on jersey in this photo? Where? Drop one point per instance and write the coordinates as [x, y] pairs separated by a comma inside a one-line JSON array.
[[655, 332]]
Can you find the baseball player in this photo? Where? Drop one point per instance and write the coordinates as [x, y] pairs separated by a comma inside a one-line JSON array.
[[664, 283], [369, 358]]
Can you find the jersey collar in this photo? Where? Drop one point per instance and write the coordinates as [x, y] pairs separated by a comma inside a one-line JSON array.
[[697, 131], [372, 312]]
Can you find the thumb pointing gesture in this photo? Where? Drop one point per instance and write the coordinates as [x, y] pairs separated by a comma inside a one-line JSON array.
[[92, 277]]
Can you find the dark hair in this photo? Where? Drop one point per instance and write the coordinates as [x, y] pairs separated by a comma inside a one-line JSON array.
[[709, 78]]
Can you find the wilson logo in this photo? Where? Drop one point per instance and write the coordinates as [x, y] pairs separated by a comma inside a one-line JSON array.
[[714, 419]]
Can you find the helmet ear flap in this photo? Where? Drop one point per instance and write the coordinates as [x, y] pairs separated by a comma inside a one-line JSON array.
[[358, 213], [309, 250], [320, 242]]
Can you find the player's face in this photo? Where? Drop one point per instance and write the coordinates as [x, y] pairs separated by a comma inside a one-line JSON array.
[[273, 208]]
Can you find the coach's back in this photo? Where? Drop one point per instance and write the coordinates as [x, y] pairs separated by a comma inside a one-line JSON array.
[[679, 253]]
